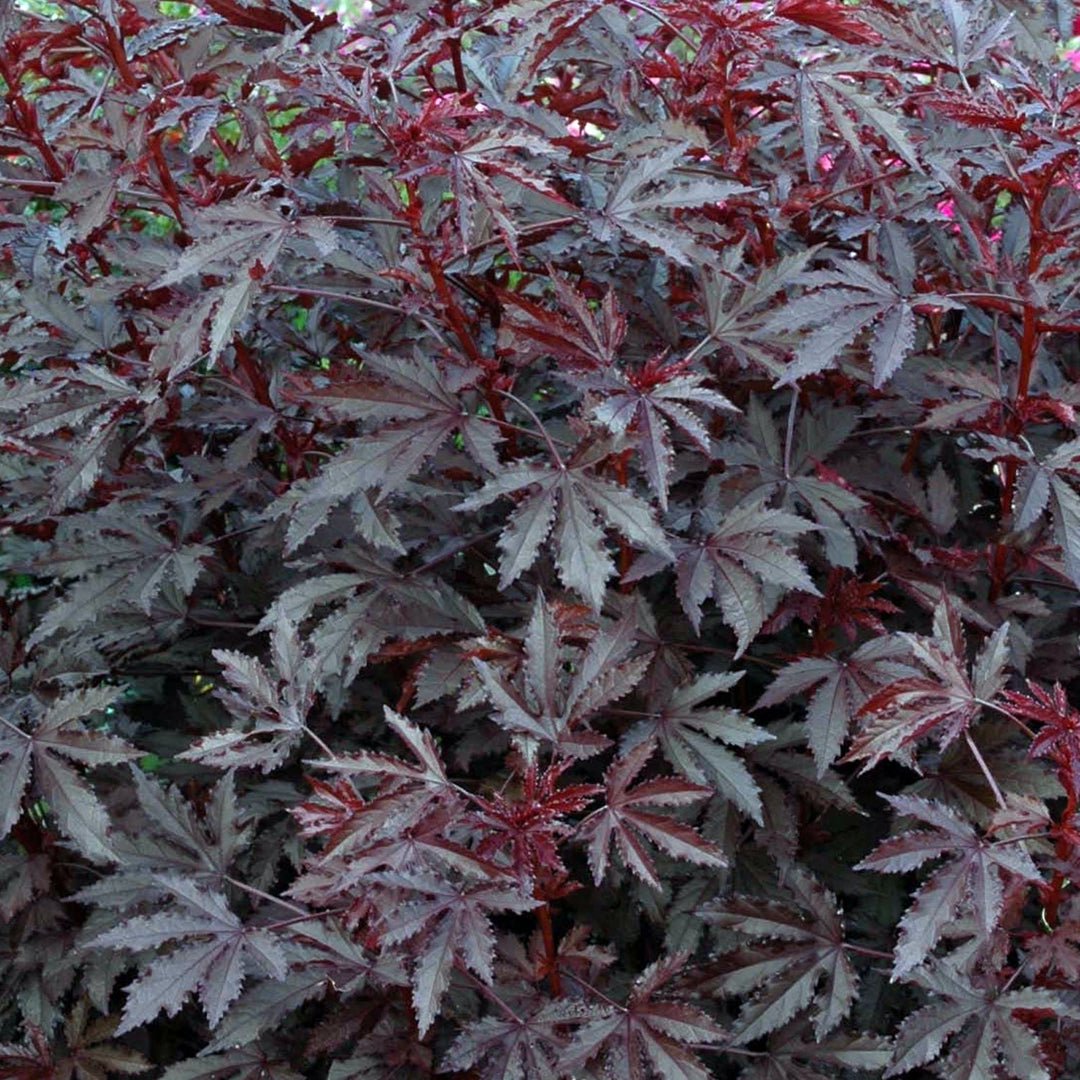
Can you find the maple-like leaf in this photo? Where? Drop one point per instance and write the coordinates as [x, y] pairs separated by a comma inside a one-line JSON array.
[[32, 1060], [849, 604], [244, 241], [580, 338], [979, 1016], [90, 1051], [987, 110], [559, 688], [391, 1047], [943, 699], [653, 182], [23, 877], [844, 303], [169, 834], [266, 1003], [827, 91], [570, 498], [644, 404], [508, 1046], [843, 688], [794, 1052], [256, 1061], [445, 921], [323, 956], [230, 235], [958, 779], [482, 168], [628, 820], [370, 604], [1047, 482], [973, 879], [42, 406], [414, 408], [43, 742], [214, 967], [269, 707], [532, 825], [412, 820], [397, 830], [736, 297], [428, 770], [1059, 736], [1060, 733], [831, 17], [795, 959], [770, 464], [117, 563], [748, 545], [1055, 954], [650, 1036], [690, 738]]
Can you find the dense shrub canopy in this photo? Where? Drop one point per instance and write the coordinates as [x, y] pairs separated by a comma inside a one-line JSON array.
[[539, 540]]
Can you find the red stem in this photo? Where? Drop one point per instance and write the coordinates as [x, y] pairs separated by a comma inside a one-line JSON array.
[[455, 317], [1062, 849], [455, 49], [730, 132], [454, 314], [1029, 344], [26, 118], [168, 185], [863, 950], [119, 57], [551, 956]]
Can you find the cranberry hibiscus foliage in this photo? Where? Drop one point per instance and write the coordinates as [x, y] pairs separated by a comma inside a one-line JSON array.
[[539, 540]]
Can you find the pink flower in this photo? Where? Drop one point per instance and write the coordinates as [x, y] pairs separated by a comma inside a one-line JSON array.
[[1073, 57], [947, 209], [825, 163]]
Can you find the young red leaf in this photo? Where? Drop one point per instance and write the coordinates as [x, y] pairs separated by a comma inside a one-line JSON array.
[[943, 699], [628, 822], [690, 736], [834, 18]]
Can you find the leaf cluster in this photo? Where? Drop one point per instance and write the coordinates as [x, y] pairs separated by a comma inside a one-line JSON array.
[[538, 540]]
